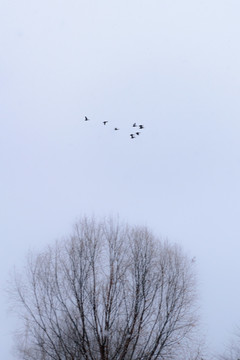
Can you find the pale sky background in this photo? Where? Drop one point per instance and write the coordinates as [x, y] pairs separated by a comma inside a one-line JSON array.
[[168, 64]]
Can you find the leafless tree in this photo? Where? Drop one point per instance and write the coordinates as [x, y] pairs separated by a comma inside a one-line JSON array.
[[232, 351], [107, 292]]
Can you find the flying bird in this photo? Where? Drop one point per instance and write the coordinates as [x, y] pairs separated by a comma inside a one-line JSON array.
[[137, 133], [141, 127], [86, 118], [116, 129], [105, 122], [134, 125], [132, 136]]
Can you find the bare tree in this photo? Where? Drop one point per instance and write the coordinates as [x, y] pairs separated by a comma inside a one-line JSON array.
[[108, 292], [232, 351]]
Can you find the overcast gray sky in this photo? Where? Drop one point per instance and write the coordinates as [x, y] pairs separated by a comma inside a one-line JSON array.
[[170, 65]]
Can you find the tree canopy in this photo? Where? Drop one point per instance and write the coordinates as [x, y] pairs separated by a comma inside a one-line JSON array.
[[108, 291]]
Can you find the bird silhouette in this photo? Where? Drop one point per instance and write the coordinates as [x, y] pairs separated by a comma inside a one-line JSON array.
[[132, 136]]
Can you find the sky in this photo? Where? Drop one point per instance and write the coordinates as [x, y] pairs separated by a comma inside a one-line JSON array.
[[170, 65]]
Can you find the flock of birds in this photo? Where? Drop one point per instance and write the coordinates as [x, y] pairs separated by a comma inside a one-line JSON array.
[[132, 136]]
